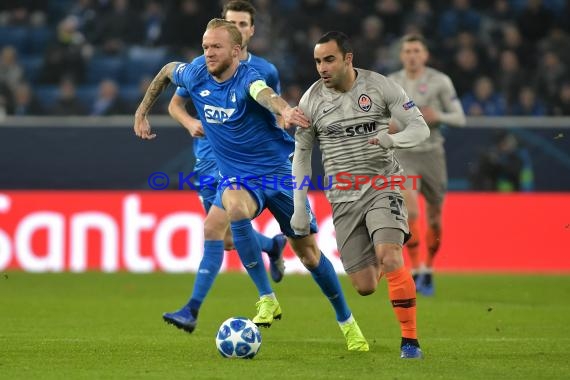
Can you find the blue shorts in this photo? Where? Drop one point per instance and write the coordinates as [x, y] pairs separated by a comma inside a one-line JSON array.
[[206, 181], [277, 198]]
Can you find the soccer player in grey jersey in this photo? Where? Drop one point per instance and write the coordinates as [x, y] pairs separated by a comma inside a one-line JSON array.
[[349, 110], [434, 94]]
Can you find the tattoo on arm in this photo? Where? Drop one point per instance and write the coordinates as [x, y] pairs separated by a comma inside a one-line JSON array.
[[156, 87], [270, 100]]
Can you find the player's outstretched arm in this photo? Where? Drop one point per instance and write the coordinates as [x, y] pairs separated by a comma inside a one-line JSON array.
[[177, 110], [300, 221], [265, 96], [156, 87]]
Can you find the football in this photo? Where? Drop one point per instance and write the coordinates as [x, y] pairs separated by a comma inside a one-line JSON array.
[[238, 337]]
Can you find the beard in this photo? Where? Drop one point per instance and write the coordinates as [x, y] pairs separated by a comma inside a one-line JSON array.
[[221, 67]]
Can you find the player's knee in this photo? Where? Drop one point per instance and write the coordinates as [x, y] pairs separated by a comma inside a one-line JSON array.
[[364, 286], [366, 290], [237, 211], [392, 261], [308, 258], [307, 251], [213, 231]]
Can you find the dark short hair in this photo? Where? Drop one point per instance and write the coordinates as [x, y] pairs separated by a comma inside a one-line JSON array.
[[341, 39], [414, 37], [239, 6]]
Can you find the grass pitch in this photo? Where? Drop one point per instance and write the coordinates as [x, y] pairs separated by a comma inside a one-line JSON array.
[[110, 326]]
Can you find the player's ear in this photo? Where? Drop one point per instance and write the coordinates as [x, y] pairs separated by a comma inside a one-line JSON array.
[[348, 58]]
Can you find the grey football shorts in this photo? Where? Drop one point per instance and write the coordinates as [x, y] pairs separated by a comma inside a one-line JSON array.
[[431, 166], [379, 216]]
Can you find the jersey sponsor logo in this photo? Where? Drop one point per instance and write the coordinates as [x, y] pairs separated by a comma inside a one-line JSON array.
[[364, 102], [409, 105], [217, 115], [361, 129], [204, 93]]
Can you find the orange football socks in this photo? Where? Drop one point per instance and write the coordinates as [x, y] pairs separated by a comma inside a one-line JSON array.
[[402, 294]]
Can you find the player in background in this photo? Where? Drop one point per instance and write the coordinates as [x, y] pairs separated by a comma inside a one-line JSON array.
[[251, 152], [349, 110], [434, 94], [242, 14]]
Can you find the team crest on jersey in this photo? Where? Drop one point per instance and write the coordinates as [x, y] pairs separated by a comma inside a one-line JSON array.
[[364, 102], [422, 88]]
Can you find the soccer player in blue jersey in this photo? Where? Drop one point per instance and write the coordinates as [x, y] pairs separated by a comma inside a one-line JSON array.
[[242, 14], [236, 108]]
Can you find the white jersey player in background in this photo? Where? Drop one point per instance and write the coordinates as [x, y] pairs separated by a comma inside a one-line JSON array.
[[433, 92]]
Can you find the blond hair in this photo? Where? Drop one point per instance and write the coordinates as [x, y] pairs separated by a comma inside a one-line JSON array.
[[234, 32]]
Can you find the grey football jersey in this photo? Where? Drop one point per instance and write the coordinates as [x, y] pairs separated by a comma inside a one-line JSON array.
[[342, 124], [433, 89]]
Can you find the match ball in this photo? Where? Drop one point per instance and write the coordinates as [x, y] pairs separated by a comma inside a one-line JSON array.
[[238, 337]]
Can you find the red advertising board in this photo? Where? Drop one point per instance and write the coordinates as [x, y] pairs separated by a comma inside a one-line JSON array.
[[42, 231]]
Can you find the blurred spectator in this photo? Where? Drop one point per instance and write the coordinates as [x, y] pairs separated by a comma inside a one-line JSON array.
[[505, 167], [557, 41], [85, 13], [108, 101], [551, 74], [421, 16], [23, 12], [68, 104], [371, 38], [460, 16], [534, 21], [118, 28], [510, 77], [561, 106], [465, 70], [528, 104], [11, 73], [25, 102], [392, 16], [184, 25], [343, 16], [153, 19], [483, 101], [512, 40], [65, 57]]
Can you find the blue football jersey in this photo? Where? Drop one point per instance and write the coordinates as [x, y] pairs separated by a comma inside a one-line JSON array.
[[243, 135], [269, 73]]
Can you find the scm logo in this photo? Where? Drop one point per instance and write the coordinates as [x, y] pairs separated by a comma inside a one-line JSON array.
[[361, 129], [217, 115]]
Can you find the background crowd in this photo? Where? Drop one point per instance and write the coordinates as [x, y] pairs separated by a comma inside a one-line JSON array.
[[96, 57]]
